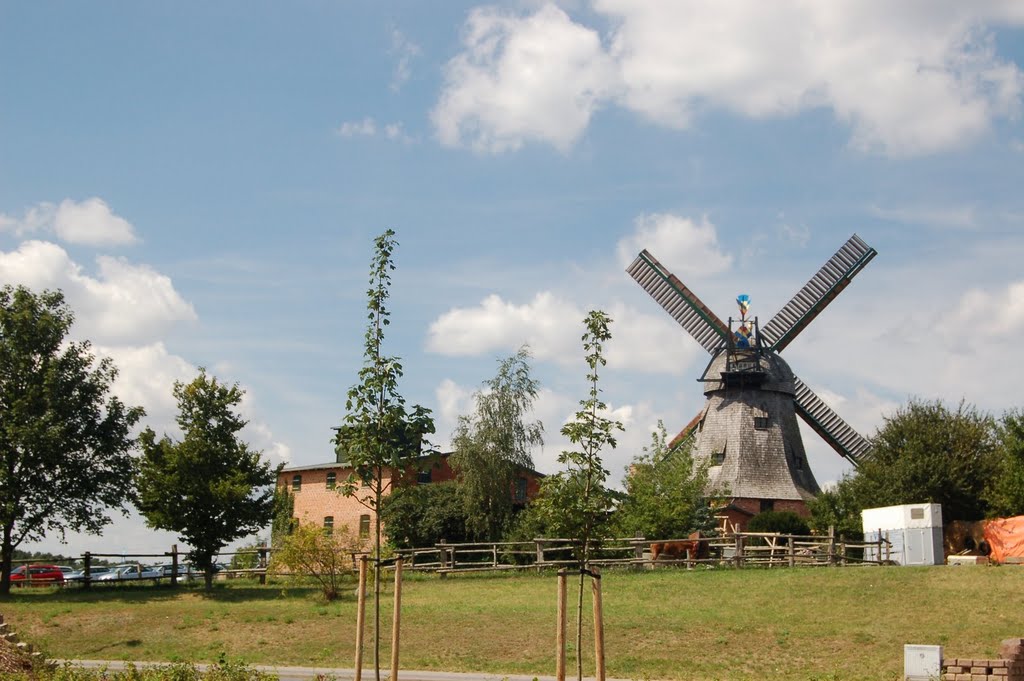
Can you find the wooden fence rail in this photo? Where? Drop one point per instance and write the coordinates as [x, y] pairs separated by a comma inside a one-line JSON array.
[[739, 550]]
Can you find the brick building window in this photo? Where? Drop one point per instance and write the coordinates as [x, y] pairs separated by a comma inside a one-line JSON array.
[[520, 493], [767, 505], [364, 526], [329, 525], [425, 477], [296, 483], [332, 480]]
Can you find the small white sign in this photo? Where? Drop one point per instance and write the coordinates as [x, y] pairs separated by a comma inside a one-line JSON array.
[[922, 663]]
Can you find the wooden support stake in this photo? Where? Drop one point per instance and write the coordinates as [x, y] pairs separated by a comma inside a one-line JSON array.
[[595, 585], [396, 619], [563, 580], [360, 617], [174, 564]]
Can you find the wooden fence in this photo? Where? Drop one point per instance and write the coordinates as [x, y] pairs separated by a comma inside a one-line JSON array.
[[739, 550], [743, 549]]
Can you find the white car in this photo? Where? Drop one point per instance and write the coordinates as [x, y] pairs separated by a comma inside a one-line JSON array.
[[128, 571]]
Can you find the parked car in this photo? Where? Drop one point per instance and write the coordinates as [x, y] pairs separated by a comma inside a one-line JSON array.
[[184, 570], [128, 571], [94, 573], [66, 569], [37, 574]]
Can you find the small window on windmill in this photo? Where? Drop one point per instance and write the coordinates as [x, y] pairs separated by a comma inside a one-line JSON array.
[[718, 456], [760, 419]]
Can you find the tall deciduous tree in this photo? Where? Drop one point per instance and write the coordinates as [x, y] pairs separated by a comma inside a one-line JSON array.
[[209, 487], [665, 492], [65, 443], [380, 438], [575, 503], [1006, 492], [924, 453], [492, 446]]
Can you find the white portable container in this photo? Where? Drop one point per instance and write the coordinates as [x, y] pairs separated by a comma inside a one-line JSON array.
[[915, 531]]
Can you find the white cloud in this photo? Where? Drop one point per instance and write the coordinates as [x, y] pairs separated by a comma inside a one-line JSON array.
[[548, 324], [90, 223], [364, 128], [539, 77], [907, 80], [123, 303], [683, 246], [990, 315], [405, 50]]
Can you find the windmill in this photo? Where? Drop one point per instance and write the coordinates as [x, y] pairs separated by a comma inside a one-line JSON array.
[[747, 431]]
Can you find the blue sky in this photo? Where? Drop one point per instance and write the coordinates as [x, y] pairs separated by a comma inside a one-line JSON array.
[[204, 180]]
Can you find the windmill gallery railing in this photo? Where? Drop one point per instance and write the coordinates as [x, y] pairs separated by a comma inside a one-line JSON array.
[[743, 549]]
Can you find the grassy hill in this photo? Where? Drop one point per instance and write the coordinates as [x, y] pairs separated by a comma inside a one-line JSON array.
[[668, 624]]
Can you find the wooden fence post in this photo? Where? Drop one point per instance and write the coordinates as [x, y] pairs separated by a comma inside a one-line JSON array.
[[540, 553], [595, 585], [563, 578], [174, 564], [86, 578], [831, 544], [791, 551], [360, 617], [738, 557], [442, 558], [396, 619], [263, 563]]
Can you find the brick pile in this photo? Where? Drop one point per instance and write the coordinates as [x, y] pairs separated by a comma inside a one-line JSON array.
[[1009, 666]]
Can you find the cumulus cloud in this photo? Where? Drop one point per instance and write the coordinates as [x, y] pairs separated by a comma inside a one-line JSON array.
[[916, 79], [122, 303], [551, 326], [683, 246], [90, 223], [548, 324], [539, 77], [996, 315]]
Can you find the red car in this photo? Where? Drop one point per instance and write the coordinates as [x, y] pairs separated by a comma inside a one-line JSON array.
[[37, 574]]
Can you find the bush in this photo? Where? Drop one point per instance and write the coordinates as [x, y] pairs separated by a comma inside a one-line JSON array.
[[311, 552], [783, 522]]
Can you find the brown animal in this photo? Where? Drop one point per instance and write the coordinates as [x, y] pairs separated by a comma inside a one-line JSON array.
[[676, 550]]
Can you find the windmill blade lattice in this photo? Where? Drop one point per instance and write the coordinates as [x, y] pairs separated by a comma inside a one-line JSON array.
[[817, 293], [679, 301], [832, 428]]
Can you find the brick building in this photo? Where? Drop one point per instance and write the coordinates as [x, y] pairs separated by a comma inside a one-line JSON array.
[[316, 491]]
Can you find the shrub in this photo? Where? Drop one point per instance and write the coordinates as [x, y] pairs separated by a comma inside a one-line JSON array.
[[311, 552], [783, 522]]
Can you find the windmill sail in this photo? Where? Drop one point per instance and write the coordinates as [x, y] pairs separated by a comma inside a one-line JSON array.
[[817, 293], [679, 301], [832, 428]]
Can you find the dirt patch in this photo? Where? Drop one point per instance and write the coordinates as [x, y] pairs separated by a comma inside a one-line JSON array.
[[13, 661]]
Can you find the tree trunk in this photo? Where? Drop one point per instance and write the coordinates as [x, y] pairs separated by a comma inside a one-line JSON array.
[[6, 561], [208, 577], [579, 630], [376, 576]]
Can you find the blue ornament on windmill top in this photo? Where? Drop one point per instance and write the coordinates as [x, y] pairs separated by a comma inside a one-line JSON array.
[[743, 300]]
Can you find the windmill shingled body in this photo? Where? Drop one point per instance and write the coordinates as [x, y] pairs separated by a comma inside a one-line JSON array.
[[763, 459]]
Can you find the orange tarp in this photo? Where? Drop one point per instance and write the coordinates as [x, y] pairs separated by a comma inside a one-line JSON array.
[[1005, 536]]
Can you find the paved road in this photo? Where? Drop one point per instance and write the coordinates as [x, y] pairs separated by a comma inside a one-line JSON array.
[[307, 673]]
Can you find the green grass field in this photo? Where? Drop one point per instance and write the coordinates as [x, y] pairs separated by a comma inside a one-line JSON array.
[[668, 624]]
